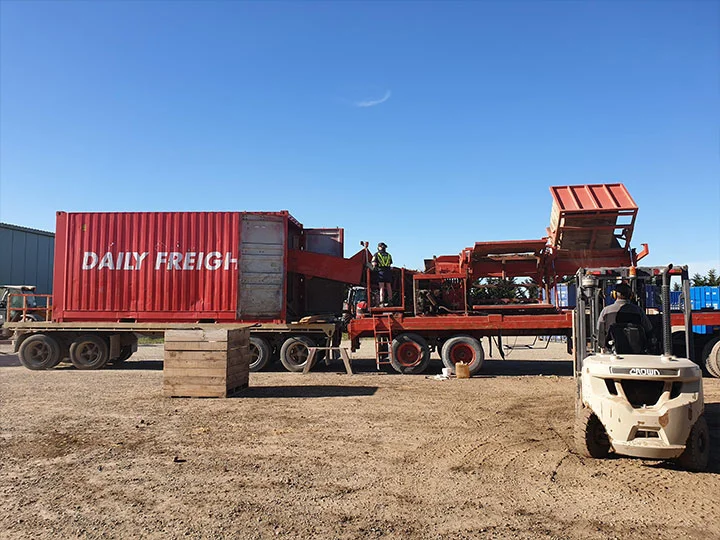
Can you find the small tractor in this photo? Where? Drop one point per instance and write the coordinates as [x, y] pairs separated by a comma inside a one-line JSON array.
[[634, 396]]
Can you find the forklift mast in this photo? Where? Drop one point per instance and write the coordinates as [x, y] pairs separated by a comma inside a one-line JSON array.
[[593, 288]]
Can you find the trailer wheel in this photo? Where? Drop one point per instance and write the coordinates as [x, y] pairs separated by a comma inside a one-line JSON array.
[[697, 448], [39, 351], [126, 351], [89, 352], [464, 349], [410, 354], [713, 360], [259, 353], [294, 352], [591, 438]]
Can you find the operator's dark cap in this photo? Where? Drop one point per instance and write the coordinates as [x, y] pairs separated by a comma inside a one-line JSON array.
[[623, 289], [382, 244]]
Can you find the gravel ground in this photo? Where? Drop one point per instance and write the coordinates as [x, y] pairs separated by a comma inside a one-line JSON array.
[[375, 455]]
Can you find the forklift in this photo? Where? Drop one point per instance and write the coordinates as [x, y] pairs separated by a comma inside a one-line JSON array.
[[634, 396]]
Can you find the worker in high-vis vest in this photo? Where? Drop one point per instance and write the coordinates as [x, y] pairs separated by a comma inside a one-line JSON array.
[[382, 261]]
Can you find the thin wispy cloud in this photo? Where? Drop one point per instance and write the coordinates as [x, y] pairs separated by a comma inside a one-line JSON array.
[[373, 102]]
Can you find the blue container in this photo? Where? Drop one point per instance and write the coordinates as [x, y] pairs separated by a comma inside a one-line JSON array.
[[567, 295], [705, 297], [705, 329], [652, 297], [675, 300]]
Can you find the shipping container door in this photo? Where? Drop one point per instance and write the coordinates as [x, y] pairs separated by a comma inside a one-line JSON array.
[[324, 296], [262, 266]]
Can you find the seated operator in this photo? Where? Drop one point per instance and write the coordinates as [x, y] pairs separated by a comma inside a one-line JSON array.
[[621, 312]]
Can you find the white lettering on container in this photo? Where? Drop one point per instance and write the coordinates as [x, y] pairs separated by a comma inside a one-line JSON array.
[[174, 261], [160, 258], [213, 261], [189, 262], [164, 260], [107, 262], [90, 259]]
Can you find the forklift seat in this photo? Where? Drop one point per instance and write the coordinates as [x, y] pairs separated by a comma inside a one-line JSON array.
[[627, 338]]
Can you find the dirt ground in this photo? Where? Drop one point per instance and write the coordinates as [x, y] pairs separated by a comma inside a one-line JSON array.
[[327, 455]]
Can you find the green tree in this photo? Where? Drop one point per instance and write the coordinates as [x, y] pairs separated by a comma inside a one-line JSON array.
[[710, 280], [494, 289]]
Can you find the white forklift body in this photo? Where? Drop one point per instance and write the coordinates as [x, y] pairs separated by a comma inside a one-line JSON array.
[[643, 405], [647, 404]]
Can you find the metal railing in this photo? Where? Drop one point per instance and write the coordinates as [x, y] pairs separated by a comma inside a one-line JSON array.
[[39, 309]]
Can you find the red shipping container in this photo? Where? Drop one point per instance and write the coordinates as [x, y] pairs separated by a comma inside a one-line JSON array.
[[172, 266]]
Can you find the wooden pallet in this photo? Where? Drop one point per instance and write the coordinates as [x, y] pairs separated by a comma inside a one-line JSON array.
[[206, 362]]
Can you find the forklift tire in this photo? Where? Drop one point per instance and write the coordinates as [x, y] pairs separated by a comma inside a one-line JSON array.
[[410, 354], [260, 353], [591, 438], [465, 349], [89, 352], [39, 351], [697, 448], [294, 353]]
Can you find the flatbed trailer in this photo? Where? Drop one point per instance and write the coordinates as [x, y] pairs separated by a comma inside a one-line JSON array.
[[118, 275], [92, 345]]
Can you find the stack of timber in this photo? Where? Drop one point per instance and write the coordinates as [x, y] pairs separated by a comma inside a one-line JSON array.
[[206, 362]]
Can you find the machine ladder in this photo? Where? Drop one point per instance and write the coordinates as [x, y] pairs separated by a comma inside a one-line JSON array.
[[382, 330]]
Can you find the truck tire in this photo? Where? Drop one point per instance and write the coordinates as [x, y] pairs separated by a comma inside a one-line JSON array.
[[39, 351], [89, 352], [410, 354], [464, 349], [697, 448], [126, 351], [711, 361], [294, 352], [259, 353], [591, 439]]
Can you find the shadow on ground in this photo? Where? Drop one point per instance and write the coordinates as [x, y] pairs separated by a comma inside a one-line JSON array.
[[313, 391], [9, 360]]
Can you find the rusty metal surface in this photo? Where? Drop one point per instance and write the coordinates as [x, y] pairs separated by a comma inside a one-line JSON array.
[[593, 197], [594, 217], [263, 251]]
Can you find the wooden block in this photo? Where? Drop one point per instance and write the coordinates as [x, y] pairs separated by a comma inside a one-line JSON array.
[[178, 358], [170, 372], [239, 368], [180, 390], [199, 345], [208, 334], [206, 363], [192, 380], [238, 380]]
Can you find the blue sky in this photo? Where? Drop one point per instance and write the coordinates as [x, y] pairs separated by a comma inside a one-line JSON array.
[[472, 110]]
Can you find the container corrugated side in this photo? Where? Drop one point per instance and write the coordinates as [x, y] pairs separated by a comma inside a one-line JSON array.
[[146, 266]]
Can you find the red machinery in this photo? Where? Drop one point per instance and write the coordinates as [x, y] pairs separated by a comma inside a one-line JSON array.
[[590, 225]]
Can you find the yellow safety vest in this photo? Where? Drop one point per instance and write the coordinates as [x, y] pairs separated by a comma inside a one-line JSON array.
[[383, 259]]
